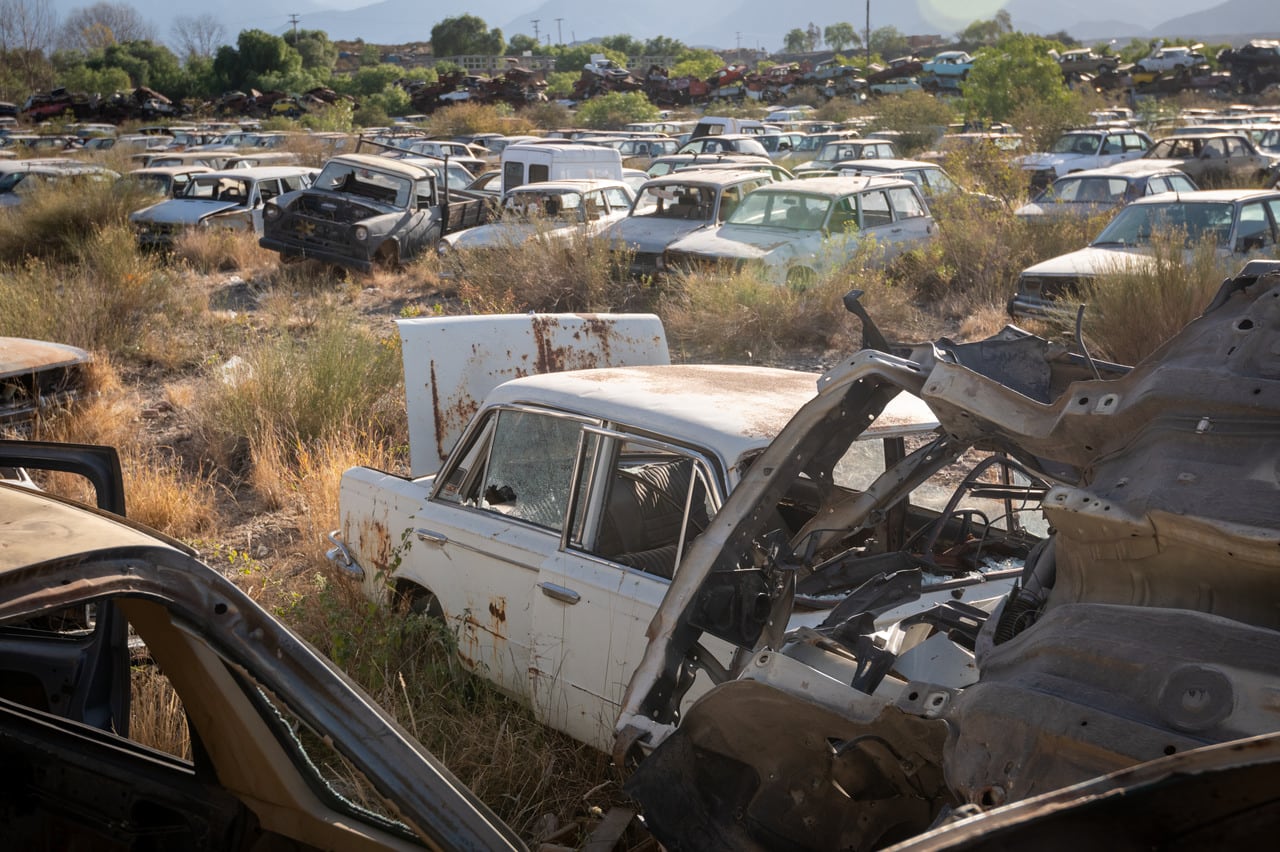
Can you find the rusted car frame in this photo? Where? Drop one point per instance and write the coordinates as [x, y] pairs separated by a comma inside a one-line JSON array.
[[1143, 628]]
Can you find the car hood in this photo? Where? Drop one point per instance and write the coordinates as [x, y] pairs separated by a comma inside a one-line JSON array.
[[182, 211], [651, 234], [737, 241], [1044, 160], [1092, 261]]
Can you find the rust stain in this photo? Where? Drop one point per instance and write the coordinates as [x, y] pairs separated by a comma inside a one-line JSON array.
[[498, 609], [376, 541], [452, 417]]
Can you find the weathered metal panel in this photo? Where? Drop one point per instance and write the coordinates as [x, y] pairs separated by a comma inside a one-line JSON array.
[[466, 357]]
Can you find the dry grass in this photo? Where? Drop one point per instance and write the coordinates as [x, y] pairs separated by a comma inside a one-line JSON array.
[[1131, 314], [156, 716], [208, 250], [543, 274]]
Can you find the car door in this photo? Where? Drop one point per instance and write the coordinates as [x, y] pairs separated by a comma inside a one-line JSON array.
[[638, 502], [486, 534]]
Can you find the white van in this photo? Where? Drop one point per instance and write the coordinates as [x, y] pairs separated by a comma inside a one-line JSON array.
[[535, 162], [711, 125]]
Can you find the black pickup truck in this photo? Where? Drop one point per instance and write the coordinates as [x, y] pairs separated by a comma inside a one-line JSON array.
[[366, 210]]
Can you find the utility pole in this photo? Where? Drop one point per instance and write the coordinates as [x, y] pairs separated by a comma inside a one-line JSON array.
[[559, 33], [868, 32], [536, 20], [293, 19]]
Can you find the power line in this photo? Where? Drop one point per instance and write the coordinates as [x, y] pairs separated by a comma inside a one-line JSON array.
[[535, 27]]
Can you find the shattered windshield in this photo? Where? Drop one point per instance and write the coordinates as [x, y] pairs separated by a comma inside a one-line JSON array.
[[379, 186]]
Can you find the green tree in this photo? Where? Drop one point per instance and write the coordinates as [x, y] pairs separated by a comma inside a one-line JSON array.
[[918, 117], [520, 42], [983, 33], [624, 44], [795, 41], [841, 35], [256, 54], [466, 34], [612, 111], [146, 63], [574, 58], [81, 78], [812, 37], [663, 46], [1014, 73], [889, 42], [696, 62], [317, 52]]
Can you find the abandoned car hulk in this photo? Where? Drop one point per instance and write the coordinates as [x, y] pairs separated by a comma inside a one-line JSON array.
[[365, 210], [1145, 626], [549, 535]]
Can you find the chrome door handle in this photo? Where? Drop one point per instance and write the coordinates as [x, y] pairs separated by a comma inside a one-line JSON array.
[[431, 537], [560, 593]]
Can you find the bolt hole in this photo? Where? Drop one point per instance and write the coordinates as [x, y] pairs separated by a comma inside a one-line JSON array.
[[1084, 400], [1244, 325], [1170, 749], [913, 696], [1084, 723], [220, 609]]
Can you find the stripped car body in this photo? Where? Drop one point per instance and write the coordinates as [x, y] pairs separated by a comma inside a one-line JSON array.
[[364, 210], [285, 752], [549, 536], [35, 374], [1143, 627]]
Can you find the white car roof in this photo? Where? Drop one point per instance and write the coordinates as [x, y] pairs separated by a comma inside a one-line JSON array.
[[731, 409]]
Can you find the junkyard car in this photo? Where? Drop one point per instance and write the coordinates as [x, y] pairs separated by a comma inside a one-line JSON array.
[[1086, 60], [553, 528], [556, 209], [670, 207], [665, 165], [1214, 158], [737, 143], [1237, 222], [1094, 191], [1077, 150], [168, 181], [931, 178], [1173, 58], [21, 179], [276, 748], [35, 374], [948, 67], [1143, 628], [896, 86], [365, 210], [792, 232], [231, 200], [845, 149]]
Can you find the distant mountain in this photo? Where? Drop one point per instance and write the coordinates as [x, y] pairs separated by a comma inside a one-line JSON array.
[[1260, 18], [745, 23]]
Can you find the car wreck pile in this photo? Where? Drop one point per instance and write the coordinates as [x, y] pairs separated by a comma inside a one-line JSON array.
[[516, 86], [1144, 626]]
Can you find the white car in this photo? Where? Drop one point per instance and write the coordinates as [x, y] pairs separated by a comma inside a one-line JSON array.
[[551, 533], [231, 200], [1239, 222], [1176, 58], [673, 206], [794, 231], [558, 209], [1077, 150]]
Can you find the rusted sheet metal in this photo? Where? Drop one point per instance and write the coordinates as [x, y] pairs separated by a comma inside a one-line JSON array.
[[466, 357], [35, 373]]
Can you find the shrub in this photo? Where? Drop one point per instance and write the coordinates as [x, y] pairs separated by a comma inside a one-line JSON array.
[[612, 111], [296, 386], [542, 274], [1132, 313]]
